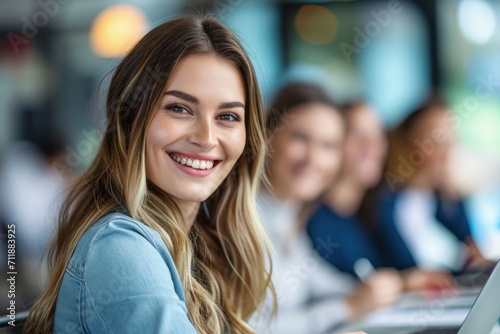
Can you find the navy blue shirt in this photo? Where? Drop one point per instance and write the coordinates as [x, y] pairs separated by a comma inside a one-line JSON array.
[[391, 246], [346, 239]]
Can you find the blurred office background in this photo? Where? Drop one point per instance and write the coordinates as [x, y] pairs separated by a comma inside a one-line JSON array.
[[55, 54]]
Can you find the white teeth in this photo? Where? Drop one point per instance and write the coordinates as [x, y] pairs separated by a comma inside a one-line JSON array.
[[197, 164]]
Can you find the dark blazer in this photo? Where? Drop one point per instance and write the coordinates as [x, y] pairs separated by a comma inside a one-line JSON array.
[[391, 246], [341, 240]]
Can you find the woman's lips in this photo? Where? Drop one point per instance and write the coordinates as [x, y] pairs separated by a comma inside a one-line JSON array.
[[193, 162], [193, 167]]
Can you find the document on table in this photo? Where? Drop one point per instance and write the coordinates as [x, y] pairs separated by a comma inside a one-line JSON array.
[[429, 316], [460, 299]]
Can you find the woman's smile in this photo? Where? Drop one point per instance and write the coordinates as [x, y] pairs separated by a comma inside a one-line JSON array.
[[194, 164]]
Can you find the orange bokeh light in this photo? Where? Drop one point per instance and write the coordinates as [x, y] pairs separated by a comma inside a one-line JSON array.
[[316, 24], [116, 29]]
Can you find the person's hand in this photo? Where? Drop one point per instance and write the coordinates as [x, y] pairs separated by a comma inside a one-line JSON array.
[[417, 280], [382, 289], [475, 260]]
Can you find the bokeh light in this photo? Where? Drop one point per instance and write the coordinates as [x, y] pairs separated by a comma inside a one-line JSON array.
[[115, 30], [476, 19], [316, 24]]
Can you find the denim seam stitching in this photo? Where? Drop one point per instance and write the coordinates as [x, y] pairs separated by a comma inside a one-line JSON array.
[[94, 310]]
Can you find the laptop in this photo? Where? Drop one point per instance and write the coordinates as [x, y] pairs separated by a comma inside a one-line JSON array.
[[481, 318]]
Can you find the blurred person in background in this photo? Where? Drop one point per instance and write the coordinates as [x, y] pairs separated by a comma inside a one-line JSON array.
[[421, 217], [31, 190], [306, 133], [337, 217], [342, 216]]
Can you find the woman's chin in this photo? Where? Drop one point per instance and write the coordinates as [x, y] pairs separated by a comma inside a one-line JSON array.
[[304, 196], [195, 196]]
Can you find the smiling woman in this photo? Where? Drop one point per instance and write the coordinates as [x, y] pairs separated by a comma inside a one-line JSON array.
[[201, 130], [135, 250]]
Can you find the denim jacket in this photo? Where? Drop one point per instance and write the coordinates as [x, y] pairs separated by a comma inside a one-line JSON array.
[[121, 279]]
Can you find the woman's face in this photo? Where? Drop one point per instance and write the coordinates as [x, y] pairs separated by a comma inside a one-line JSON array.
[[431, 139], [198, 133], [365, 147], [306, 152]]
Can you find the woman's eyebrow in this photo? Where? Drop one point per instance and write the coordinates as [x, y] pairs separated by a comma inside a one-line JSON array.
[[192, 99], [229, 105], [182, 95]]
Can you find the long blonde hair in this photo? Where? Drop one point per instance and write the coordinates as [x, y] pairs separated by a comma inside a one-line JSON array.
[[222, 260]]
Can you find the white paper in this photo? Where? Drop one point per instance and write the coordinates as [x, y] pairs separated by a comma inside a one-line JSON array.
[[424, 317]]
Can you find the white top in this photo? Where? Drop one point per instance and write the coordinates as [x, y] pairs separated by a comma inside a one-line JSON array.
[[309, 290], [431, 244], [31, 193]]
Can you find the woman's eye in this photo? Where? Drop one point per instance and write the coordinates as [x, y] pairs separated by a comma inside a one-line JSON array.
[[332, 146], [229, 118], [177, 108], [300, 136]]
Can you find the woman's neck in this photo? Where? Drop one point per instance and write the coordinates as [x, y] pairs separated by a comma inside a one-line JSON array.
[[420, 181], [289, 208], [189, 211], [284, 198], [345, 197]]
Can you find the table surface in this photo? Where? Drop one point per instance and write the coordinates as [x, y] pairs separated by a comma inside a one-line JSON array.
[[420, 310]]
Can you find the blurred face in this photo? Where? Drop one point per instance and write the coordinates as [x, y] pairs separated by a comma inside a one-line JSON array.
[[198, 133], [306, 152], [365, 147], [432, 139]]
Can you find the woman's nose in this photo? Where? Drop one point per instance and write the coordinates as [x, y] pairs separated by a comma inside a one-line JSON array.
[[203, 134], [313, 156]]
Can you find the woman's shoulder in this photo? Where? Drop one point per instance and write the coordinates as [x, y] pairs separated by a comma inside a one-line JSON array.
[[326, 217], [324, 210], [121, 273], [117, 229], [118, 221], [117, 224]]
